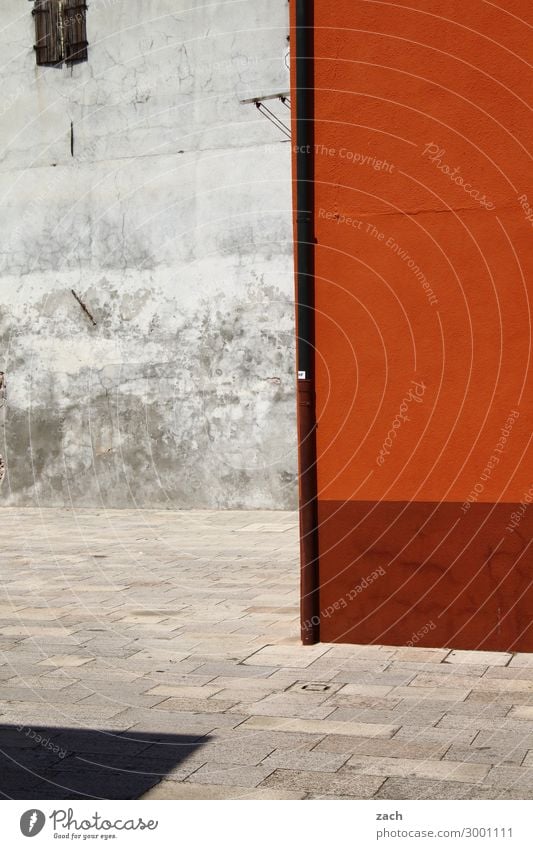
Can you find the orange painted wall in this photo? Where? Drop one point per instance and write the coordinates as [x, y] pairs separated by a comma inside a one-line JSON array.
[[423, 319]]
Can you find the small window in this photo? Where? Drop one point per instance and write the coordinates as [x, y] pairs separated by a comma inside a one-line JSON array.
[[60, 31]]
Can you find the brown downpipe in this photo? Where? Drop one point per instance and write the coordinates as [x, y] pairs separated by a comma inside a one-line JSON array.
[[305, 284]]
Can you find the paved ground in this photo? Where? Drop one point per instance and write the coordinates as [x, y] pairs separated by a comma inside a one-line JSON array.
[[155, 654]]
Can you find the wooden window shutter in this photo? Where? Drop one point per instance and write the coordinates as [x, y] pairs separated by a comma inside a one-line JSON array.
[[60, 31], [75, 30], [47, 33]]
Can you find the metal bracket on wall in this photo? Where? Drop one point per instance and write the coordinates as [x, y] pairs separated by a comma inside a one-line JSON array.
[[258, 102]]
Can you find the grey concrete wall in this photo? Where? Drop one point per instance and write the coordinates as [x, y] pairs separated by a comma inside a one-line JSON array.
[[171, 221]]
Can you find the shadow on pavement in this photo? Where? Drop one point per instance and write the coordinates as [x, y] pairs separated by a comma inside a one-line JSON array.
[[72, 763]]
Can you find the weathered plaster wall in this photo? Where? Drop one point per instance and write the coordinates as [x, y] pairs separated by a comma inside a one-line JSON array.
[[171, 221]]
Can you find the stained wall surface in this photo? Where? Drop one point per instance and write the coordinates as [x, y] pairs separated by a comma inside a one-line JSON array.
[[140, 181], [424, 277]]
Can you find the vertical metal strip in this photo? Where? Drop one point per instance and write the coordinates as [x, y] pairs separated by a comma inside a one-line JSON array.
[[305, 249]]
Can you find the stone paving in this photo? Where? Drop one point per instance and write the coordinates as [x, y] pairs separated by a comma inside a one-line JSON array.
[[152, 654]]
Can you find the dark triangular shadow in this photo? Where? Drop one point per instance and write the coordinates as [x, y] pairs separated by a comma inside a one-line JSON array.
[[76, 763]]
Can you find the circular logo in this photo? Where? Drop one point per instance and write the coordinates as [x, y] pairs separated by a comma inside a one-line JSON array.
[[32, 822]]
